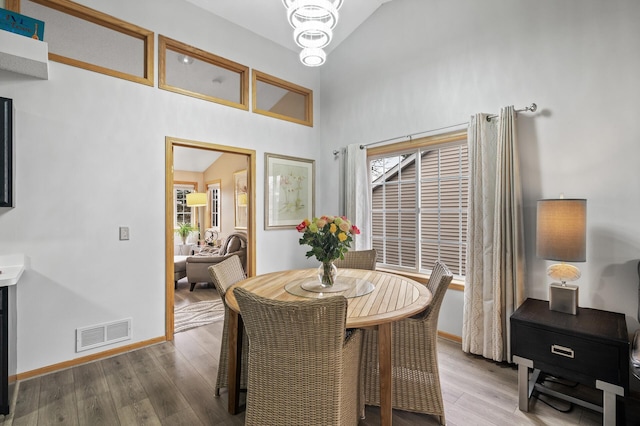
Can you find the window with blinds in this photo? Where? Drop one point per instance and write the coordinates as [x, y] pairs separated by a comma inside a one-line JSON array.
[[419, 204]]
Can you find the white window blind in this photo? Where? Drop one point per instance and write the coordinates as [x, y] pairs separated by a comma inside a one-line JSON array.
[[419, 207]]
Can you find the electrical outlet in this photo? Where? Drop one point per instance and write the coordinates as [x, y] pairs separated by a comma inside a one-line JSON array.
[[124, 233]]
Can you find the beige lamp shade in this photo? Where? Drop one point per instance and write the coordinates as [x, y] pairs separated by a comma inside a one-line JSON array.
[[562, 230], [196, 199]]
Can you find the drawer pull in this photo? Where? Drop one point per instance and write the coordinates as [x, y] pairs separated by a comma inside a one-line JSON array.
[[562, 350]]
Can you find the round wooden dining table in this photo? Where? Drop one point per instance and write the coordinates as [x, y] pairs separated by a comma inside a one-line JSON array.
[[375, 300]]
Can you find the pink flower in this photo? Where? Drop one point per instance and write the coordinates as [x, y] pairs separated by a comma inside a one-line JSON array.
[[355, 230], [302, 226]]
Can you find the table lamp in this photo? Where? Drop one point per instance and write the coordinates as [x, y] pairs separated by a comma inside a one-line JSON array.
[[561, 235], [197, 199]]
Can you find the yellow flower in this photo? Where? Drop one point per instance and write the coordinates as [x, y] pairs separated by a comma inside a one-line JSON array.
[[333, 228], [342, 236]]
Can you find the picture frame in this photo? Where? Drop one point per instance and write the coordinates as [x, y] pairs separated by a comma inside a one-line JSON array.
[[6, 152], [240, 198], [289, 191]]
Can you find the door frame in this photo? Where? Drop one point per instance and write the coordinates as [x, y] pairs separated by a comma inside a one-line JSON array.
[[170, 143]]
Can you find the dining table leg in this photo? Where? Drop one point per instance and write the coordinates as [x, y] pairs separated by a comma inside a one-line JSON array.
[[384, 360], [235, 361]]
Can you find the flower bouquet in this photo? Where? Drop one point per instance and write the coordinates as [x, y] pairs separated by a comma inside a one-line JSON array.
[[330, 238]]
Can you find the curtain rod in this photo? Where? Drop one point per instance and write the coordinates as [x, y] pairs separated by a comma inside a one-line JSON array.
[[531, 108]]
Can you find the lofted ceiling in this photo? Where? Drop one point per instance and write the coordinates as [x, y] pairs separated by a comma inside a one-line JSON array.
[[193, 159], [268, 18]]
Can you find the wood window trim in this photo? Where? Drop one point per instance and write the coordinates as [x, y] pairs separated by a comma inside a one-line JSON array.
[[186, 183], [416, 143], [107, 21], [165, 43], [258, 76]]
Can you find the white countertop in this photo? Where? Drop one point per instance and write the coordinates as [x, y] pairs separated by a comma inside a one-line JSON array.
[[11, 268]]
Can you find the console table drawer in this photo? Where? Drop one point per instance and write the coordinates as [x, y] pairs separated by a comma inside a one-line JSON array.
[[568, 353]]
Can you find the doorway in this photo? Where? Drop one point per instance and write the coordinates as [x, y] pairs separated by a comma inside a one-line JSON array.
[[170, 145]]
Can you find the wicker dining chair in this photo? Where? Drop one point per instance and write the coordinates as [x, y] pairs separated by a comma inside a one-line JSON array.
[[358, 259], [415, 376], [302, 369], [224, 275]]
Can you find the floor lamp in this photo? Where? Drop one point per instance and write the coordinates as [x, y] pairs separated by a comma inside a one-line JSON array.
[[561, 234], [197, 199]]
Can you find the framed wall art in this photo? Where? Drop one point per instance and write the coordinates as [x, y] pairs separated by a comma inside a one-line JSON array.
[[289, 191], [241, 198]]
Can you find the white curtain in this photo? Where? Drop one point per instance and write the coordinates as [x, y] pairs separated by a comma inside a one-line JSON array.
[[494, 286], [356, 194]]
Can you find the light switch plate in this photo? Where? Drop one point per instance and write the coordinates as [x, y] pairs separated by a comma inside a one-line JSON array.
[[124, 233]]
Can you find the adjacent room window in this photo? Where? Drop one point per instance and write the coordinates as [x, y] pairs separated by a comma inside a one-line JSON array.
[[182, 213], [214, 202], [193, 72], [419, 203], [85, 38], [281, 99]]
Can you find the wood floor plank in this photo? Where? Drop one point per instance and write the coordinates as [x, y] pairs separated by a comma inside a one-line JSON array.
[[58, 404], [138, 413], [162, 393], [95, 405], [27, 399], [196, 389], [122, 381], [185, 418]]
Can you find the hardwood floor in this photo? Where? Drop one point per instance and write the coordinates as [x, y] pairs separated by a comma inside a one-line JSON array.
[[172, 383]]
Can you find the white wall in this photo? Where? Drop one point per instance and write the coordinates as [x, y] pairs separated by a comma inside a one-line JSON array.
[[90, 152], [423, 64]]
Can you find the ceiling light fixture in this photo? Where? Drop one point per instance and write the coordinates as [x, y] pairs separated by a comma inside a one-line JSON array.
[[312, 34], [313, 22], [184, 59], [312, 57]]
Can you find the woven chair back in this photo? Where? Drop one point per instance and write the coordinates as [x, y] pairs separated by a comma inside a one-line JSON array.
[[358, 259], [295, 359], [225, 274], [438, 283]]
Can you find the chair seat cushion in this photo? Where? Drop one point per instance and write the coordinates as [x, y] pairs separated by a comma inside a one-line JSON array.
[[180, 263]]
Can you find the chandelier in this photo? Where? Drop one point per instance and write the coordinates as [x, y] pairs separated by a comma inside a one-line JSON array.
[[313, 22]]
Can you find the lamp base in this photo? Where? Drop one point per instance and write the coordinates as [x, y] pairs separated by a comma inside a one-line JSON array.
[[563, 298]]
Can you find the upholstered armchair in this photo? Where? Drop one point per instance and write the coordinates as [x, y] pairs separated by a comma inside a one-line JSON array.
[[197, 265]]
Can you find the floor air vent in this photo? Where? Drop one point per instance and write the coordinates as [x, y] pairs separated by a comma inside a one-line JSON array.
[[102, 334]]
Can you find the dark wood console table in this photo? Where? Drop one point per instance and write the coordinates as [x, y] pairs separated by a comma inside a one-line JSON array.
[[591, 348]]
